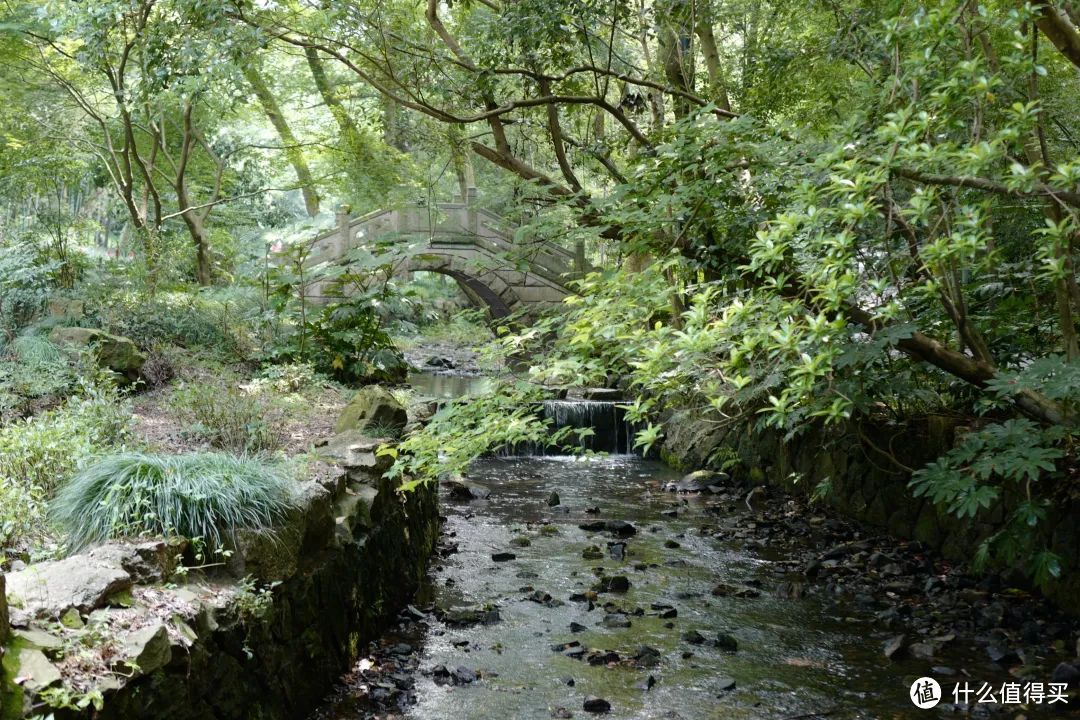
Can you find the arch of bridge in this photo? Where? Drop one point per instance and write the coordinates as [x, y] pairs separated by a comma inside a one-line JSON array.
[[482, 284]]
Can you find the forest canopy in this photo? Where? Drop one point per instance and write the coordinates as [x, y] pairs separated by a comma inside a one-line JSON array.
[[795, 213]]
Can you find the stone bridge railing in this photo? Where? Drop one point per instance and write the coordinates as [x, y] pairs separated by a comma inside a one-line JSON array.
[[471, 244]]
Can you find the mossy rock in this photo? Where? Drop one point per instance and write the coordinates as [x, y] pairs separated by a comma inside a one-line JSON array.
[[113, 352], [373, 410], [67, 308]]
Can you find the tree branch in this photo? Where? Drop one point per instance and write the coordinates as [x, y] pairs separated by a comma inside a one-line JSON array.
[[1041, 190]]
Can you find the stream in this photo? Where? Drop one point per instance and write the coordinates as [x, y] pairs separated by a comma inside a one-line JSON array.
[[703, 627]]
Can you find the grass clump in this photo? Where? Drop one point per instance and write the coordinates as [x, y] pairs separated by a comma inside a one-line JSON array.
[[198, 495], [32, 368], [37, 351]]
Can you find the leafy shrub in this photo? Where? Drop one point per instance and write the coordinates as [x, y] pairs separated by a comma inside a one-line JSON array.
[[225, 417], [22, 514], [24, 283], [159, 368], [999, 465], [342, 337], [342, 340], [198, 495], [185, 319], [465, 429], [36, 455]]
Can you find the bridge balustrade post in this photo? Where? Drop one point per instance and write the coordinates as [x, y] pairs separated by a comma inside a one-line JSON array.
[[343, 220], [579, 258], [472, 217]]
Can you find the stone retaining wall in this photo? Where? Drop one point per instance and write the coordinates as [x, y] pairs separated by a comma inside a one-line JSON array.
[[867, 483], [211, 648]]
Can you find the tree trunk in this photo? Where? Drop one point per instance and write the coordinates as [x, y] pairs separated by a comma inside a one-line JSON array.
[[656, 97], [326, 91], [291, 147], [717, 86], [1059, 29], [203, 274], [750, 47], [676, 56]]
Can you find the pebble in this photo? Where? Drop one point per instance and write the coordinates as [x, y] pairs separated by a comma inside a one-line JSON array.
[[614, 583], [693, 637], [596, 705], [726, 642]]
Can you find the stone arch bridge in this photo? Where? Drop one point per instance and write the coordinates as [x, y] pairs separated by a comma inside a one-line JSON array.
[[473, 246]]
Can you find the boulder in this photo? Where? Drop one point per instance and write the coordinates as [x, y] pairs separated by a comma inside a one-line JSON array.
[[604, 394], [35, 672], [464, 490], [470, 615], [49, 589], [596, 705], [352, 511], [316, 503], [147, 649], [38, 639], [690, 438], [147, 562], [275, 554], [353, 450], [442, 362], [699, 481], [373, 411], [113, 352], [618, 527], [726, 642], [66, 308]]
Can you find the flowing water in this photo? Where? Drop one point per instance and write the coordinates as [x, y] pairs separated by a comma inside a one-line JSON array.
[[798, 657], [446, 386], [610, 432]]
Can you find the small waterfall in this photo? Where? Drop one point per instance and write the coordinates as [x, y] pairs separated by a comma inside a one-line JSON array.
[[612, 433]]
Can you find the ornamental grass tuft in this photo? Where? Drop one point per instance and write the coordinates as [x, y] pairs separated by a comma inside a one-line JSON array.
[[197, 495]]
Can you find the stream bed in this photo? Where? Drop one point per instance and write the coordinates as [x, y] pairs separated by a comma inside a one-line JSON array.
[[569, 585], [797, 656]]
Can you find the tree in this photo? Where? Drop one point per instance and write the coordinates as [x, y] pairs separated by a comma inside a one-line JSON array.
[[290, 145], [136, 70]]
